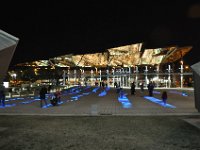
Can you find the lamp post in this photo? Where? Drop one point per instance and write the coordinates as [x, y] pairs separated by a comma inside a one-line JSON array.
[[107, 73], [157, 72], [146, 72], [68, 75], [169, 75], [100, 74], [74, 76], [181, 74], [129, 78], [136, 77], [64, 76], [83, 74], [96, 72], [113, 72], [92, 73], [122, 77]]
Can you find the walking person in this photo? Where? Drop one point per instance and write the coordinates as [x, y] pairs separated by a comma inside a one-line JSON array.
[[141, 88], [43, 93], [115, 84], [58, 96], [150, 88], [133, 88], [2, 95], [103, 84], [164, 97]]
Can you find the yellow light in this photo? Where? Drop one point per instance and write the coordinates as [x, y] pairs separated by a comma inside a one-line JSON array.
[[181, 62], [35, 71]]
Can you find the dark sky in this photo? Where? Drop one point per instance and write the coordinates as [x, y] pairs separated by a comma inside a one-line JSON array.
[[52, 28]]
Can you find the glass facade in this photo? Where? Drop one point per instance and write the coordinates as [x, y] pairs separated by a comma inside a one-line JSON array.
[[124, 65]]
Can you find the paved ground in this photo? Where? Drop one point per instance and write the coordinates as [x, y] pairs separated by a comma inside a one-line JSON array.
[[86, 102], [86, 120]]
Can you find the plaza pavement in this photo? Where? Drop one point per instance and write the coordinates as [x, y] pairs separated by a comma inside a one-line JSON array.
[[87, 102]]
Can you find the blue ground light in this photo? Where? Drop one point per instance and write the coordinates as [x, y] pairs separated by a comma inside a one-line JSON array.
[[156, 92], [86, 93], [184, 94], [177, 92], [47, 106], [76, 97], [19, 98], [76, 91], [158, 101], [95, 89], [50, 105], [103, 93], [61, 102], [8, 105], [107, 88], [29, 101], [125, 102], [14, 99], [72, 91]]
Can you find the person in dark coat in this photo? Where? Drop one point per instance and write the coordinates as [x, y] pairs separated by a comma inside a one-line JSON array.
[[115, 84], [141, 88], [43, 93], [57, 98], [150, 88], [164, 97], [2, 95], [133, 88], [103, 84]]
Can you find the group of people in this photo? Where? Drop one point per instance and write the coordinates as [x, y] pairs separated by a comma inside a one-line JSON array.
[[42, 93], [54, 100], [102, 84], [150, 88]]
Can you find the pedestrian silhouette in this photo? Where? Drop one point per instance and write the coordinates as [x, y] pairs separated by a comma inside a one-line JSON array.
[[2, 95], [43, 93], [150, 88], [164, 97], [133, 88]]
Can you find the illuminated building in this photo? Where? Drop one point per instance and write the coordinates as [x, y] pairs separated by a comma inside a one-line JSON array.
[[123, 64]]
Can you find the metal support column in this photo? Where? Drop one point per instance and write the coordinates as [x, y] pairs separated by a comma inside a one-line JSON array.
[[169, 75], [181, 75]]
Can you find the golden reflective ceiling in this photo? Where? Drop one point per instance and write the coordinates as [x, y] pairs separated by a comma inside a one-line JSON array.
[[129, 55]]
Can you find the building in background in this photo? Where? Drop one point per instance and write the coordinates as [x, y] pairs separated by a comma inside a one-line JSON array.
[[124, 64]]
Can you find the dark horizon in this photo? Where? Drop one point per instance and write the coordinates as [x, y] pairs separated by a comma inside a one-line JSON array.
[[48, 29]]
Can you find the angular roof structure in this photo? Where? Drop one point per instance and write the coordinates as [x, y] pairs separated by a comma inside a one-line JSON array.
[[8, 44], [129, 55]]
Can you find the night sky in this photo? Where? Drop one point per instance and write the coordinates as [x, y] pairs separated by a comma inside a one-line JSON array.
[[52, 28]]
